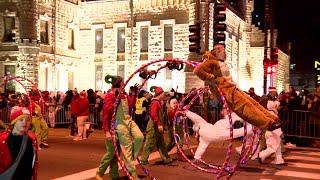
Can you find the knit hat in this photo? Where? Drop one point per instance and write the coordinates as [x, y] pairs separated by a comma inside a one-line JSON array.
[[272, 89], [17, 113], [158, 91]]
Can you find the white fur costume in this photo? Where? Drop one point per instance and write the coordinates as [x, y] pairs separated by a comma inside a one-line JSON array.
[[210, 133], [273, 138]]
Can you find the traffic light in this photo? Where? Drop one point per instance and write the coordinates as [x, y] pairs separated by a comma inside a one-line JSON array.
[[274, 55], [219, 24], [194, 38]]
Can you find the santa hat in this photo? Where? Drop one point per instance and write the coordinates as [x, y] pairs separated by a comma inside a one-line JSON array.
[[158, 91], [17, 113], [272, 89]]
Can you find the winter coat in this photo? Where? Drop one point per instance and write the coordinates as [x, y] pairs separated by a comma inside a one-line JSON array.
[[5, 155]]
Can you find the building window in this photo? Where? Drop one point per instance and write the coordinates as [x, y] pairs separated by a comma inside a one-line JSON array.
[[168, 37], [9, 26], [120, 70], [70, 38], [121, 40], [44, 35], [144, 36], [10, 70], [99, 76], [99, 41]]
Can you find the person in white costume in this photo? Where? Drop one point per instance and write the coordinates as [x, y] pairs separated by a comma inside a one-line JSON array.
[[273, 138], [209, 133]]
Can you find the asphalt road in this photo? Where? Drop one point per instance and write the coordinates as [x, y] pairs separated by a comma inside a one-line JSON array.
[[68, 159]]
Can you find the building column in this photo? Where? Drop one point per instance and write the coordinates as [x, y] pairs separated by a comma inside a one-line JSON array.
[[28, 43]]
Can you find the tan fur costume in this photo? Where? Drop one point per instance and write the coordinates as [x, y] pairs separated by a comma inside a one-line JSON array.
[[216, 72]]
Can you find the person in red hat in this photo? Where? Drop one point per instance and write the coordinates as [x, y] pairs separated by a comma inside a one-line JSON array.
[[154, 135], [130, 138], [272, 138], [18, 148]]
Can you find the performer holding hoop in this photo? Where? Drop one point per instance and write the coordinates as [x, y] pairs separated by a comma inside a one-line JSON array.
[[214, 71]]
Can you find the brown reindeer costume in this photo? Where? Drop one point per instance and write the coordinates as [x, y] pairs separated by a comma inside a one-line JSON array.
[[216, 73]]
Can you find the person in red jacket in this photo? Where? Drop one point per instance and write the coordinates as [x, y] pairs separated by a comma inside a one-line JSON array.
[[130, 138], [132, 97], [80, 109], [10, 143], [154, 135]]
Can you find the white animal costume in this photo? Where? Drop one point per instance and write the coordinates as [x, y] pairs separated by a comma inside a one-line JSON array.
[[273, 138], [209, 133]]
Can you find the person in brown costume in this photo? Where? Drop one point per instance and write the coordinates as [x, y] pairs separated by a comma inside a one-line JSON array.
[[214, 71]]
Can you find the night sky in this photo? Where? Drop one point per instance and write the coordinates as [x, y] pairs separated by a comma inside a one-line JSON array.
[[298, 22]]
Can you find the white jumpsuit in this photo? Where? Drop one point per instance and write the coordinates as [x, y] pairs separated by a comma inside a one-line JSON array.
[[273, 139], [209, 133]]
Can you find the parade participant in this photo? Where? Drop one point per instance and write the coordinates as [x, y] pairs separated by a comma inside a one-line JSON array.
[[154, 135], [140, 113], [273, 138], [18, 148], [172, 109], [208, 133], [39, 125], [214, 71], [130, 138]]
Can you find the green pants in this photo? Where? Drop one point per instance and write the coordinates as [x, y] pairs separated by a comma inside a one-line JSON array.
[[109, 159], [172, 143], [40, 129], [154, 139], [130, 141]]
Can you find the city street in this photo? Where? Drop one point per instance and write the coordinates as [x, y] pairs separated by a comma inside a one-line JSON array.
[[67, 160]]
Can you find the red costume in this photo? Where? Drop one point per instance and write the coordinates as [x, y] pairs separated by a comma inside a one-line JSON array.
[[5, 155]]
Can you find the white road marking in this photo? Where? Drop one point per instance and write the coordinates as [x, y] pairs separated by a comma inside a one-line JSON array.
[[90, 173], [298, 174], [303, 158]]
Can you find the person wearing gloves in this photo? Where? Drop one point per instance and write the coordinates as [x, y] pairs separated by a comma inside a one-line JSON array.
[[128, 134], [18, 148], [172, 109], [214, 71], [273, 138], [208, 133], [154, 133]]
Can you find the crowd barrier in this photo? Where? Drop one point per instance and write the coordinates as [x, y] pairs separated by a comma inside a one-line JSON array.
[[296, 123]]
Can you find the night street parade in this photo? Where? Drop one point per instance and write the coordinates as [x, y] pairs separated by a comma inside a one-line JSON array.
[[159, 89]]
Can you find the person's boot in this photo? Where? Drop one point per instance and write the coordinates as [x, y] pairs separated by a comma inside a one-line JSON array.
[[167, 161], [264, 155]]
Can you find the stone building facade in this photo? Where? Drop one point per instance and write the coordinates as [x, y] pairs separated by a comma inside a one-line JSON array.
[[66, 44]]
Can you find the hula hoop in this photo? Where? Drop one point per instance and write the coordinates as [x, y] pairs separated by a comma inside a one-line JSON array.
[[115, 107], [225, 169], [18, 79]]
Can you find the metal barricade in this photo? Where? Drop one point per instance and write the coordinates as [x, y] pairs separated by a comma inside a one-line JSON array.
[[5, 115], [298, 123]]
